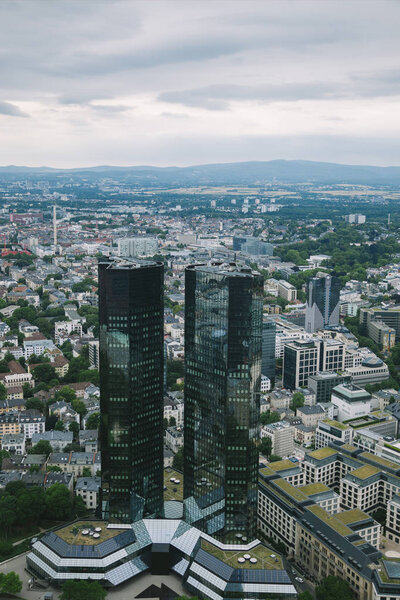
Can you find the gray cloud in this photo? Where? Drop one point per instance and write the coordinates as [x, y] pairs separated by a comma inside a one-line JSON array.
[[11, 110]]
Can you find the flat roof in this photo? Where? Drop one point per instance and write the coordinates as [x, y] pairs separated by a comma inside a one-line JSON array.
[[354, 515], [314, 488], [365, 472], [330, 520], [322, 453]]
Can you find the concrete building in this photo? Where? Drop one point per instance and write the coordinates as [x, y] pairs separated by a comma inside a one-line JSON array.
[[286, 290], [332, 431], [322, 384], [393, 519], [137, 247], [355, 219], [332, 354], [351, 401], [57, 439], [94, 355], [311, 415], [282, 437]]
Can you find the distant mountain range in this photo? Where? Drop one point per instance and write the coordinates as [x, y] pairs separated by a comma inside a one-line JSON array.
[[255, 172]]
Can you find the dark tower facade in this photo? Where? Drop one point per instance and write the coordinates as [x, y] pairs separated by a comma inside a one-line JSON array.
[[131, 310], [223, 342], [268, 349]]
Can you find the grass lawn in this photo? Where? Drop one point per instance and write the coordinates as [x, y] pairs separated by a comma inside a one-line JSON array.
[[169, 493], [72, 534], [230, 557]]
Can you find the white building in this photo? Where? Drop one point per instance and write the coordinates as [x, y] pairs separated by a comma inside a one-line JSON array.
[[137, 246], [265, 384], [88, 489], [282, 437], [351, 401], [14, 443]]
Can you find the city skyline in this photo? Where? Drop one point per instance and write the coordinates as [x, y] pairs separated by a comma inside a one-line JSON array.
[[198, 82]]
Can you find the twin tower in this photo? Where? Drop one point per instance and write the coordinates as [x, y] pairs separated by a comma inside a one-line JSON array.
[[223, 341]]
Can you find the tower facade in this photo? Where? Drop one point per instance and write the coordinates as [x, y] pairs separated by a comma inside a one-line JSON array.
[[223, 342], [131, 309], [322, 309], [268, 349]]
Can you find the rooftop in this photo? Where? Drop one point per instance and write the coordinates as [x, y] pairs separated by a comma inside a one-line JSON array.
[[314, 488], [72, 534], [355, 515], [322, 453], [365, 472], [330, 520], [283, 465], [290, 489], [336, 424], [266, 558], [169, 493]]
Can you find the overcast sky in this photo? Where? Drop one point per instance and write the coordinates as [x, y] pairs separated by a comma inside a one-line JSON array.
[[183, 82]]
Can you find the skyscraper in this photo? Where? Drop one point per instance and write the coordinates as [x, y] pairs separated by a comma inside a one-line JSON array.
[[323, 295], [268, 349], [223, 339], [131, 388]]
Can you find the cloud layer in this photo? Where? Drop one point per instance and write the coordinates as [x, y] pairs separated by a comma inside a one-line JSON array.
[[177, 82]]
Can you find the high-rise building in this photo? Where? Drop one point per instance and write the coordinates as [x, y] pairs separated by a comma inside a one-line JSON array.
[[268, 349], [223, 344], [131, 388], [323, 295], [300, 360], [253, 246]]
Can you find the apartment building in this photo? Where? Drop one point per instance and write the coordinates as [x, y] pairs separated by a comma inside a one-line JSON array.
[[88, 489], [311, 415], [76, 462]]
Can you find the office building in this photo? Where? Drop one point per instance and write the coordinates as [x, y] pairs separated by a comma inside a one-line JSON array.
[[322, 384], [323, 295], [351, 401], [300, 360], [374, 320], [253, 246], [268, 349], [355, 219], [131, 309], [281, 435], [332, 354], [137, 246], [223, 344], [286, 290]]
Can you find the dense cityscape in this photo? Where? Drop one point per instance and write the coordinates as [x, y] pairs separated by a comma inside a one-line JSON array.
[[199, 389]]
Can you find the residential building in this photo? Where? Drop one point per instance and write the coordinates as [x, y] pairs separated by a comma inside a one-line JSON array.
[[131, 309], [13, 443], [88, 489], [223, 345], [355, 219], [57, 439], [311, 415], [174, 438]]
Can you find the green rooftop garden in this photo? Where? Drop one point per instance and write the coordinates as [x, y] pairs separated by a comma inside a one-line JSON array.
[[383, 574], [330, 520], [266, 471], [314, 488], [365, 472], [382, 461], [282, 465], [322, 453], [289, 489], [354, 515], [169, 493], [348, 447], [72, 534], [266, 558], [336, 424]]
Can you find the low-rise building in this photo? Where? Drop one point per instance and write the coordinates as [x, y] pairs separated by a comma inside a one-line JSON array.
[[14, 443], [58, 440], [282, 437], [88, 489]]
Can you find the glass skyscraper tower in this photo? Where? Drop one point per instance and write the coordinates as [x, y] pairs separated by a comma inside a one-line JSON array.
[[131, 310], [323, 299], [223, 341]]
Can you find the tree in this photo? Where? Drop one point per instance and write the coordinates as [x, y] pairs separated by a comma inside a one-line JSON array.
[[274, 458], [86, 472], [6, 549], [93, 421], [58, 502], [82, 590], [177, 461], [44, 372], [59, 426], [10, 583], [42, 447], [172, 422], [268, 417], [266, 446], [74, 427], [306, 595], [3, 392], [66, 393], [34, 403], [297, 401], [27, 390], [332, 588], [79, 406]]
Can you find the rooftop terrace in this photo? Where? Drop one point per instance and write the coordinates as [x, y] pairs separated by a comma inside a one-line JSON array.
[[266, 558], [322, 453], [170, 493], [73, 534]]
